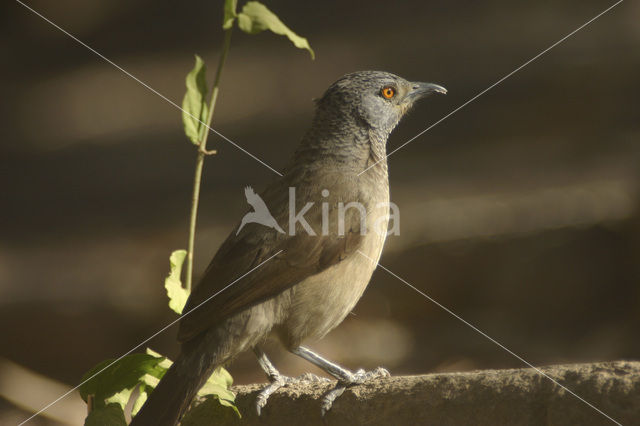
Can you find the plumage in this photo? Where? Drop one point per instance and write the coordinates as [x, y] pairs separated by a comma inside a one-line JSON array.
[[308, 275]]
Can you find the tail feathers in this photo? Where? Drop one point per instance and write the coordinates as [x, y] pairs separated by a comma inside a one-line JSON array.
[[171, 398]]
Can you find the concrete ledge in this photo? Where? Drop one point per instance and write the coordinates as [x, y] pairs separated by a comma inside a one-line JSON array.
[[488, 397]]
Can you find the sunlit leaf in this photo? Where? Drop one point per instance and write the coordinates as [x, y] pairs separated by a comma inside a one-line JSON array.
[[194, 105], [115, 383], [218, 385], [222, 377], [177, 294], [150, 381], [165, 363], [121, 398], [255, 18], [213, 387], [221, 392], [142, 398]]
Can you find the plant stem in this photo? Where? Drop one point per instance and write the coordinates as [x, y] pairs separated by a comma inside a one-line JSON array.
[[202, 153]]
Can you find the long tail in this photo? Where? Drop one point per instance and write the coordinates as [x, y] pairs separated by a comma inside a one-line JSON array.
[[171, 398]]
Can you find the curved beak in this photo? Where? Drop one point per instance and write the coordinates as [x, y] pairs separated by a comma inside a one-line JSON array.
[[421, 90]]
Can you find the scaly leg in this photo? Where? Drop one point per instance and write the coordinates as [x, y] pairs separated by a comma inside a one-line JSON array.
[[345, 377], [276, 379]]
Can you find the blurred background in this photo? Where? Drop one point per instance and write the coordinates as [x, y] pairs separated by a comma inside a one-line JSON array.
[[520, 213]]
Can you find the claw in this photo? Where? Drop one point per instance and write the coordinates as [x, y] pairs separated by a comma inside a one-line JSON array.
[[265, 393], [280, 381], [276, 379], [356, 378], [362, 376], [310, 377], [332, 395]]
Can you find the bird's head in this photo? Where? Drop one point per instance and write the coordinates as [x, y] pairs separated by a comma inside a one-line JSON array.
[[376, 98]]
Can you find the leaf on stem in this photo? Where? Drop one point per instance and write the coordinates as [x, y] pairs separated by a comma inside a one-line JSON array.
[[177, 294], [255, 18], [229, 13], [115, 384], [217, 385], [166, 363], [143, 395], [194, 105], [112, 415]]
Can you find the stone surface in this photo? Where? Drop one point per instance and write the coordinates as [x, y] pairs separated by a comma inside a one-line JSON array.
[[487, 397]]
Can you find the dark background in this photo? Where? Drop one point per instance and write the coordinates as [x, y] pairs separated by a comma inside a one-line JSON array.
[[520, 213]]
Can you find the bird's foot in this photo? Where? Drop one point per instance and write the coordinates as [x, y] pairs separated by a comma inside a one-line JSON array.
[[278, 381], [362, 376], [351, 379]]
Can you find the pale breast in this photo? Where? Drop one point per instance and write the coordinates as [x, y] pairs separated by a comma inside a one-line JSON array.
[[322, 301]]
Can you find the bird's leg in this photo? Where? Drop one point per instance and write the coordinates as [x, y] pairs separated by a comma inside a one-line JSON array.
[[276, 379], [342, 374], [267, 366], [345, 377]]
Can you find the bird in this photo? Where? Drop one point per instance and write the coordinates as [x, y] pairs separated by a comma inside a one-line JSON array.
[[260, 213], [297, 285]]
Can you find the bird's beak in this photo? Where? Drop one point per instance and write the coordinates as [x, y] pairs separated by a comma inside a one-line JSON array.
[[421, 90]]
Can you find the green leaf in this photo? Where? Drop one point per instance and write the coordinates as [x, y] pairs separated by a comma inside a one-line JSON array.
[[194, 105], [113, 387], [177, 294], [110, 415], [165, 363], [207, 408], [255, 18], [222, 376], [227, 403], [221, 392], [115, 383], [142, 398], [229, 13], [217, 385], [150, 381], [121, 398]]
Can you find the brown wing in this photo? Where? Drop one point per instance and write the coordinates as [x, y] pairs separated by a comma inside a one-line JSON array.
[[300, 256]]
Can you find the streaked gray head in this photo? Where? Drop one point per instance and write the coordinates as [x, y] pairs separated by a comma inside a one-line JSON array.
[[377, 99]]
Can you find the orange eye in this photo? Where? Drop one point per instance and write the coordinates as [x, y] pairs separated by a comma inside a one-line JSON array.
[[388, 92]]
